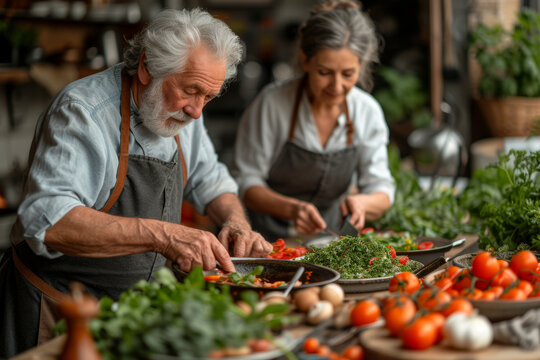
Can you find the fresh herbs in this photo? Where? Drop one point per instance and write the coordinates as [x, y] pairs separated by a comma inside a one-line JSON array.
[[505, 200], [431, 213], [358, 258], [246, 279], [181, 319]]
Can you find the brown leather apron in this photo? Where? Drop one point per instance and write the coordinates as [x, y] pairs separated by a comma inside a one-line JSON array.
[[32, 285], [318, 178]]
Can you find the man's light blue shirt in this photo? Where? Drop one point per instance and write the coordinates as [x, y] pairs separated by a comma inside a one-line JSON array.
[[74, 157]]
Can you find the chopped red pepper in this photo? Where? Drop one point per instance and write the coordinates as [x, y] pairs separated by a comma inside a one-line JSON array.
[[403, 259], [367, 230]]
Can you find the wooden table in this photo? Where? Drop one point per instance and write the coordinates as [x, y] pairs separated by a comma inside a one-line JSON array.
[[377, 344]]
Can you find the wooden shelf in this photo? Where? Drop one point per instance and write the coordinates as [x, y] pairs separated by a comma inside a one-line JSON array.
[[14, 75]]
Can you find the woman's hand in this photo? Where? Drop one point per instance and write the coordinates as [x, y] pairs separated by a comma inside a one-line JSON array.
[[364, 207], [307, 219], [356, 207]]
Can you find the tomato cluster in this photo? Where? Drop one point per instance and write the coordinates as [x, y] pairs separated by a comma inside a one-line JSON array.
[[313, 346], [416, 312], [490, 278], [279, 251]]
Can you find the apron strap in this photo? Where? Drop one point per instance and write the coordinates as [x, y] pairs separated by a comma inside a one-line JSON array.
[[296, 107], [184, 170], [124, 144], [349, 124], [36, 281]]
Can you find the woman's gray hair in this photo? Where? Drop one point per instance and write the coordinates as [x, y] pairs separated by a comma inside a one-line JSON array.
[[168, 39], [339, 24]]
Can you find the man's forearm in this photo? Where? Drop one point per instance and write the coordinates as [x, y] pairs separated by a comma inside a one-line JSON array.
[[90, 233], [226, 207]]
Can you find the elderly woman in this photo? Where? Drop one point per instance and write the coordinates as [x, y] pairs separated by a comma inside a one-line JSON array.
[[314, 149], [113, 157]]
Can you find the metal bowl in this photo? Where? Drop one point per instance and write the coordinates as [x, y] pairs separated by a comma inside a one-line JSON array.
[[369, 284], [275, 270]]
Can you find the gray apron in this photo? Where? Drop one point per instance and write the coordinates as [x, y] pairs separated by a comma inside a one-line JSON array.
[[318, 178], [32, 285]]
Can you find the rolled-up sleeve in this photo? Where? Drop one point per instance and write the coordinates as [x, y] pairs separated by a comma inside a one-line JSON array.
[[374, 174], [67, 170], [207, 177]]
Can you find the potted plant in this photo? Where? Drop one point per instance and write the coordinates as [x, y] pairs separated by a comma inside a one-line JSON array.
[[16, 42], [509, 86], [404, 103]]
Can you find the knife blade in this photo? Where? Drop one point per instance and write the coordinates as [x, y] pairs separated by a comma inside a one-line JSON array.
[[347, 229]]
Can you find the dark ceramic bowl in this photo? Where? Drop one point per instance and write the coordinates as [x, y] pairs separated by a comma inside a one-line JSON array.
[[440, 247], [276, 270]]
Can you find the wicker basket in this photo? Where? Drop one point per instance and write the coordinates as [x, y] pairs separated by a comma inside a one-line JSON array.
[[512, 116]]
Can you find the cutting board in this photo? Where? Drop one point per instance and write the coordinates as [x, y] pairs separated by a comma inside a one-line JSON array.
[[378, 345]]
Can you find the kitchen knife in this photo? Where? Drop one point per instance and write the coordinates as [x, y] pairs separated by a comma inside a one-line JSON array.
[[347, 228], [438, 262]]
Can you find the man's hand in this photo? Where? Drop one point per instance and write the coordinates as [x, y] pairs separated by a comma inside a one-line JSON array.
[[307, 219], [191, 247], [244, 241]]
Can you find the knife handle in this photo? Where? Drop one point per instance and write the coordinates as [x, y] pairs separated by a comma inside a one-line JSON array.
[[435, 264]]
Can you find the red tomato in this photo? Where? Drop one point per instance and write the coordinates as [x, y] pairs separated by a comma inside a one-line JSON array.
[[536, 291], [372, 260], [513, 294], [438, 320], [505, 278], [444, 283], [524, 264], [424, 245], [365, 312], [504, 264], [311, 345], [324, 350], [457, 305], [433, 300], [419, 335], [488, 295], [485, 266], [463, 280], [452, 272], [472, 293], [526, 286], [399, 315], [353, 352], [405, 282]]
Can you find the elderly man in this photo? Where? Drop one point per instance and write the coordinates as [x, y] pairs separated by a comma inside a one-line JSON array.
[[113, 156]]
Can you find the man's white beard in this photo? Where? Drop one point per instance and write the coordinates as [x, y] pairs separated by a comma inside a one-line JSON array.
[[154, 115]]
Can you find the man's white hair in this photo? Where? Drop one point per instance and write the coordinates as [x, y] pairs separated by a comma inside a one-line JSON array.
[[172, 34]]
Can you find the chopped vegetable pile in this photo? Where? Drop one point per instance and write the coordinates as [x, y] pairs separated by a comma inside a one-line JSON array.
[[400, 241], [279, 251], [360, 257], [251, 279]]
